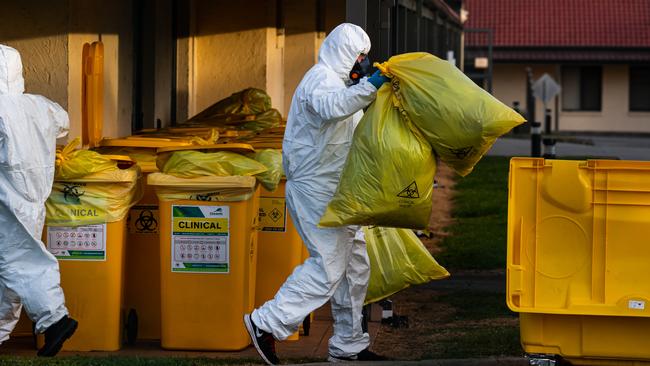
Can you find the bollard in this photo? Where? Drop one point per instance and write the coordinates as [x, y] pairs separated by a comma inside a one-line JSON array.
[[536, 139], [549, 142]]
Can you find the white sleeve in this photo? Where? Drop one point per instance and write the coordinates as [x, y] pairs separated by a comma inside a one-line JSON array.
[[334, 103], [60, 118]]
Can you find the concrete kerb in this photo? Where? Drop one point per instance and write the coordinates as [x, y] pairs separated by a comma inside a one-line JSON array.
[[491, 361]]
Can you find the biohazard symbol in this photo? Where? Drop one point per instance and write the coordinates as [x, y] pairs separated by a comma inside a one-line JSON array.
[[203, 197], [410, 192], [146, 222], [462, 152], [71, 193], [275, 214]]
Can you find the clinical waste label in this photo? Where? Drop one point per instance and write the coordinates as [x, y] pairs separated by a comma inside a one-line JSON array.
[[273, 214], [143, 219], [86, 243], [200, 239]]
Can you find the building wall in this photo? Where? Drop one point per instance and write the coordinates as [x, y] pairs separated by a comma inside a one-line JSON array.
[[110, 22], [302, 41], [234, 48], [39, 33], [509, 85]]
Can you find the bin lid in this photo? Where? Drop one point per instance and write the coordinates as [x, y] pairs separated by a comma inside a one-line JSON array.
[[144, 142], [238, 148], [266, 145]]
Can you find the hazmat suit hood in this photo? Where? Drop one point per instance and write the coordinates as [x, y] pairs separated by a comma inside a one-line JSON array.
[[341, 48], [11, 72]]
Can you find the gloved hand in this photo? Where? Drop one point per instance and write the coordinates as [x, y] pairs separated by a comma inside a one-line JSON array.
[[377, 79]]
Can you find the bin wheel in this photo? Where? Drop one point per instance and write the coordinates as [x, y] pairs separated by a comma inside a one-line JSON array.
[[306, 325], [131, 327]]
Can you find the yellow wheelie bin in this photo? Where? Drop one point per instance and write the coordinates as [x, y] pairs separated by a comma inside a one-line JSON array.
[[142, 287], [280, 246], [86, 232], [577, 258], [208, 241]]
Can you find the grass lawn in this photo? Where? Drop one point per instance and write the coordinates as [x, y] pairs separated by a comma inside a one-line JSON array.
[[478, 234], [467, 316]]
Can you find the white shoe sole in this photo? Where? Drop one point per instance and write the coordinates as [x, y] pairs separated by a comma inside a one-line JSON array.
[[251, 332], [333, 359]]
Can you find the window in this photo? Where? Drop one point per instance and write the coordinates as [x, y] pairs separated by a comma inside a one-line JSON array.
[[639, 88], [581, 88]]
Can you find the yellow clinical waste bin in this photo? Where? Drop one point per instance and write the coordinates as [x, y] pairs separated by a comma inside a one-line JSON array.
[[86, 232], [208, 241], [280, 246], [577, 259], [142, 287]]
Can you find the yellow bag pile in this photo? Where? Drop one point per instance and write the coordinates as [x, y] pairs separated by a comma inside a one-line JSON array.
[[272, 160], [398, 259], [90, 188], [460, 120], [246, 102], [249, 109], [429, 108], [388, 177]]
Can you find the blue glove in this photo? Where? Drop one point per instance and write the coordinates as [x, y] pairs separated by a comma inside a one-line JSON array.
[[377, 79]]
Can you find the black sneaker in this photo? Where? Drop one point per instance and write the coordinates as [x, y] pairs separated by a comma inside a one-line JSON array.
[[56, 334], [364, 355], [264, 342]]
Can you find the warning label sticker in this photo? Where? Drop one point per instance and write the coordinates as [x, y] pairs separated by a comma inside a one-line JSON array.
[[143, 219], [273, 214], [86, 243], [200, 239], [411, 191]]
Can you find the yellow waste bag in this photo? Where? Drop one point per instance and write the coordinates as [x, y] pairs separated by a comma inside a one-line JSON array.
[[262, 121], [73, 164], [387, 179], [272, 160], [206, 188], [398, 259], [253, 122], [246, 102], [192, 164], [94, 199], [458, 118]]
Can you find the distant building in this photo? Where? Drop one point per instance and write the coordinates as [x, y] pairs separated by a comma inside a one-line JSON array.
[[597, 50]]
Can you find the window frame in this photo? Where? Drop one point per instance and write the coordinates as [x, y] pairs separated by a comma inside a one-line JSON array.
[[581, 107]]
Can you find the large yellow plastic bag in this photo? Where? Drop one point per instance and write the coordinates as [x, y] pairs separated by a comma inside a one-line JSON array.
[[262, 121], [206, 188], [398, 259], [72, 164], [246, 102], [97, 198], [458, 118], [191, 164], [387, 179], [272, 160]]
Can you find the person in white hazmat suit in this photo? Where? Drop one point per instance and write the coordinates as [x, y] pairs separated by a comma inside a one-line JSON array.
[[29, 274], [324, 113]]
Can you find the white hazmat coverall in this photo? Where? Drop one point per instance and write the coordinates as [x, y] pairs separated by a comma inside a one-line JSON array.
[[323, 115], [29, 127]]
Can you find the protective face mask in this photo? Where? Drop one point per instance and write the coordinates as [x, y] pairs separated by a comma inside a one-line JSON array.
[[360, 69]]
